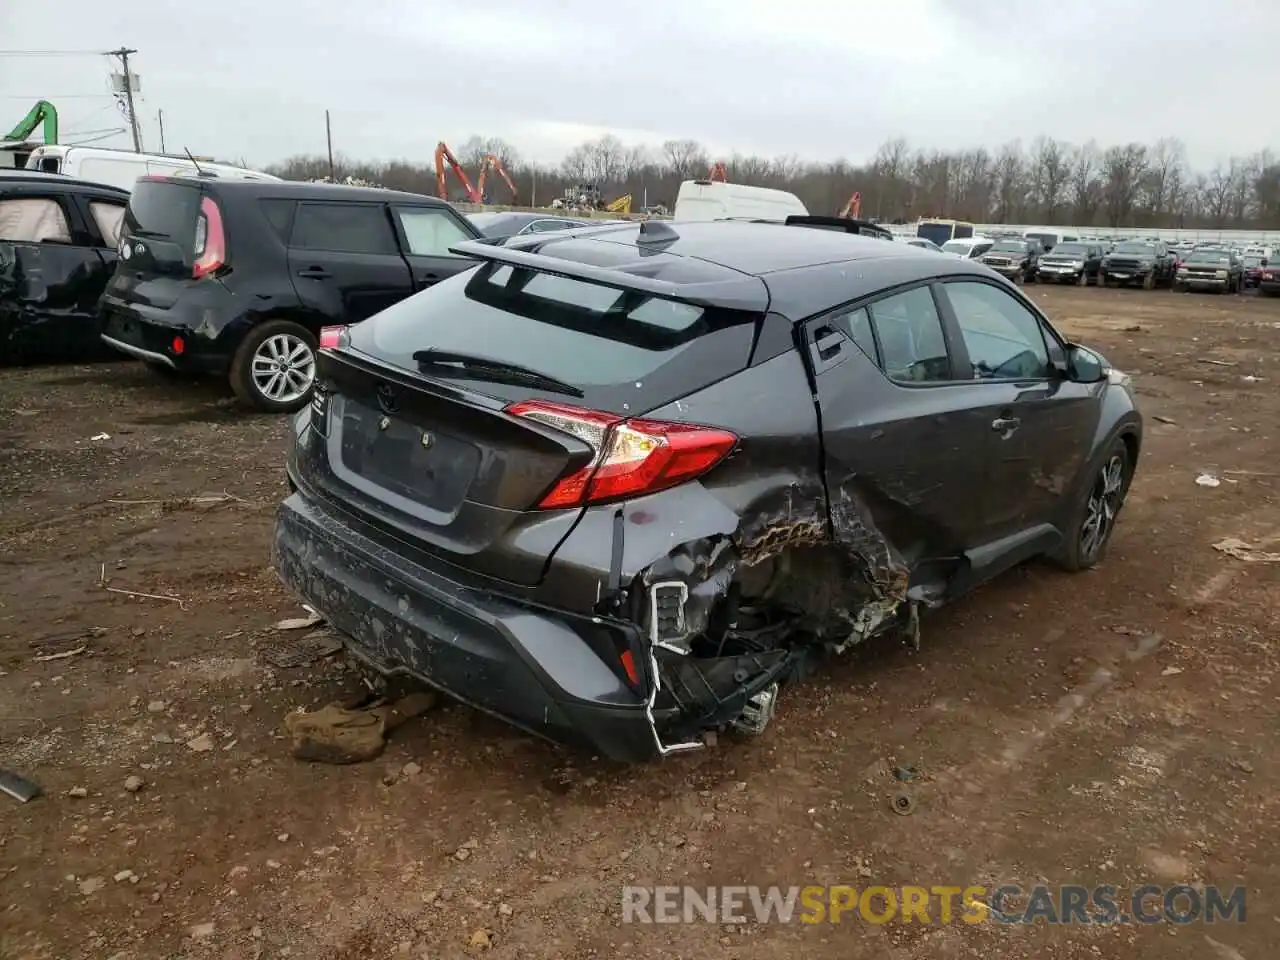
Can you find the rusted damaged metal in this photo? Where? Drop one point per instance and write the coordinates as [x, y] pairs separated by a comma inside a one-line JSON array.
[[730, 616]]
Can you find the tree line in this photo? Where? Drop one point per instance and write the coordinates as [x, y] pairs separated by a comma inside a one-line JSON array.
[[1046, 182]]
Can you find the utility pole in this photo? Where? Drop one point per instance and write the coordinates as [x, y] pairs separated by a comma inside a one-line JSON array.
[[328, 138], [123, 54], [160, 117]]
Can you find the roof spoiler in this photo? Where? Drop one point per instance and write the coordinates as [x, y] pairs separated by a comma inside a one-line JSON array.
[[864, 227], [743, 292]]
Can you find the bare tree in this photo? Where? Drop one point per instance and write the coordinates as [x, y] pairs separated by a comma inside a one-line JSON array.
[[1010, 182], [1052, 170], [1123, 169], [1217, 194], [684, 159]]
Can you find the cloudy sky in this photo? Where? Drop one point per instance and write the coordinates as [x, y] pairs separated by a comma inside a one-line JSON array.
[[814, 78]]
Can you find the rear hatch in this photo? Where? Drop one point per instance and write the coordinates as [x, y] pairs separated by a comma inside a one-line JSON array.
[[158, 242], [419, 435]]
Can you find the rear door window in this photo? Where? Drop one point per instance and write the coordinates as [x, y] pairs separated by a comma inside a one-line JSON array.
[[343, 228], [109, 218], [913, 348], [430, 231], [33, 220]]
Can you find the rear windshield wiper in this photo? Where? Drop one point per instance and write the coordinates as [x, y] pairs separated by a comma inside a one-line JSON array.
[[496, 370], [148, 234]]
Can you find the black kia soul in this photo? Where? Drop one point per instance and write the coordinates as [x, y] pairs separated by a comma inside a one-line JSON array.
[[618, 487], [238, 278]]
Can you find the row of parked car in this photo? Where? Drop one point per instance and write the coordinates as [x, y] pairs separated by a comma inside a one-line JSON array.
[[1136, 262]]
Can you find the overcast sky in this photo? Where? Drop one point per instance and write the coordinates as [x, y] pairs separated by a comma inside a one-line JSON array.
[[819, 79]]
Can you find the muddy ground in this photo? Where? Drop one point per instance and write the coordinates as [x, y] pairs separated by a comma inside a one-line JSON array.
[[1112, 727]]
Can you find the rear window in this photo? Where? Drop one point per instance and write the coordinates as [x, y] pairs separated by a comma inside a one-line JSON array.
[[163, 210], [592, 336]]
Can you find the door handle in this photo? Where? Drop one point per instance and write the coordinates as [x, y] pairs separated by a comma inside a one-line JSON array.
[[429, 278], [1005, 424], [828, 342], [315, 273]]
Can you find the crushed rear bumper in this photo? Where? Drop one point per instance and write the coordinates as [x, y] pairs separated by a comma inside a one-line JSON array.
[[541, 670]]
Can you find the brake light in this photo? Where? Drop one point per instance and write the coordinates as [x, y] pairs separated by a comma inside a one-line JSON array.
[[632, 456], [211, 240], [330, 337]]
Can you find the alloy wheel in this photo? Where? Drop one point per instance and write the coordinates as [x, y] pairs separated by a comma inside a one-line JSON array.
[[1102, 507], [283, 368]]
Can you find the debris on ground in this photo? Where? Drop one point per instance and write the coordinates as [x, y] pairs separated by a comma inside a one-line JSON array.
[[1170, 671], [134, 784], [300, 651], [902, 802], [18, 786], [64, 655], [200, 744], [1161, 419], [1208, 480], [336, 734], [1251, 553], [312, 619]]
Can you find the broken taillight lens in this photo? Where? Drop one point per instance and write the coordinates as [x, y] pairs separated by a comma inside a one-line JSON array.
[[331, 337], [632, 456]]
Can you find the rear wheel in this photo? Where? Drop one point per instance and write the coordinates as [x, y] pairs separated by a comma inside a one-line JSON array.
[[1099, 505], [275, 367]]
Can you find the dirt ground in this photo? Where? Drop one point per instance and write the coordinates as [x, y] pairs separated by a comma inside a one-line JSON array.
[[1111, 727]]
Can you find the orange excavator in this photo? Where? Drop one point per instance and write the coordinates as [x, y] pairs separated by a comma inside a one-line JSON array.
[[445, 155], [475, 194], [490, 162], [853, 209], [718, 174]]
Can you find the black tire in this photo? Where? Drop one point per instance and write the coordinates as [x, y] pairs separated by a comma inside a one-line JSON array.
[[1149, 282], [1100, 500], [247, 387], [1181, 288], [1083, 279], [1104, 281]]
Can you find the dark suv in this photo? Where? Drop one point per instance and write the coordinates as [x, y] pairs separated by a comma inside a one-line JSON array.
[[238, 278], [1145, 262], [1015, 258], [58, 238], [1072, 261], [617, 487]]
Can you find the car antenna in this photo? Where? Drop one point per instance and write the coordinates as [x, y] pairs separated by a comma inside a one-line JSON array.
[[187, 151]]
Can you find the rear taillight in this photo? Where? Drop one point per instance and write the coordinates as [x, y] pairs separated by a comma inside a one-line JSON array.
[[211, 240], [633, 456], [331, 337]]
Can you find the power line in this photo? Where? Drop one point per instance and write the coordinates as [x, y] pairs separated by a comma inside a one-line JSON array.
[[55, 96], [52, 53]]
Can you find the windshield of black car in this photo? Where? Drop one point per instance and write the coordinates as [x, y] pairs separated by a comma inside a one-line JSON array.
[[584, 334], [1071, 250], [1009, 246], [1143, 249]]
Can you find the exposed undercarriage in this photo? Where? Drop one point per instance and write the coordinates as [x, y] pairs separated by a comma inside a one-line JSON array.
[[730, 620]]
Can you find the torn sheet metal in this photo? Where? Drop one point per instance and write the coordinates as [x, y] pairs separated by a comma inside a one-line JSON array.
[[49, 303]]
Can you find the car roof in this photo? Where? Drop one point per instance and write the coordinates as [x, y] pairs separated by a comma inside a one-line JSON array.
[[59, 179], [794, 270], [298, 190]]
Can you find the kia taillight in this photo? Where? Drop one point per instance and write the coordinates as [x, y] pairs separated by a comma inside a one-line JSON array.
[[331, 337], [210, 245], [632, 456]]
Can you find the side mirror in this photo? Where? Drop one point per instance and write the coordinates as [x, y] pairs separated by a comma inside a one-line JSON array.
[[1085, 366]]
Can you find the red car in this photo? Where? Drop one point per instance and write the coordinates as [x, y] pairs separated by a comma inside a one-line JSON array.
[[1253, 267]]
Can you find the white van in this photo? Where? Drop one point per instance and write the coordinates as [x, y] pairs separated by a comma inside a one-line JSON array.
[[715, 200], [1050, 238], [122, 168]]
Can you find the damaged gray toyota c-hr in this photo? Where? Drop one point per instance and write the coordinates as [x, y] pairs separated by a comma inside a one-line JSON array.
[[618, 486]]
